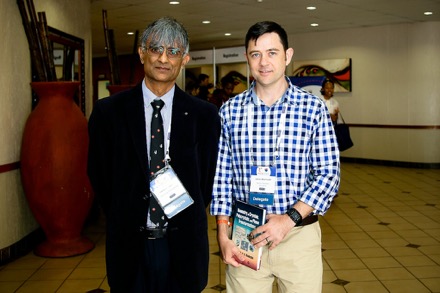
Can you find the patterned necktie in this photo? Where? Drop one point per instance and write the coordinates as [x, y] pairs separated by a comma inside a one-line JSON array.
[[157, 156]]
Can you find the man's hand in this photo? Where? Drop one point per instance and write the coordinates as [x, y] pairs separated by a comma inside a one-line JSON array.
[[230, 253], [273, 232]]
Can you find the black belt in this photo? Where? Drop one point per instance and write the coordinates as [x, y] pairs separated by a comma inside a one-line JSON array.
[[308, 220], [152, 233]]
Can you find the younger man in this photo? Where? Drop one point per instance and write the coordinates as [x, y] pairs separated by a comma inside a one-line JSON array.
[[277, 125]]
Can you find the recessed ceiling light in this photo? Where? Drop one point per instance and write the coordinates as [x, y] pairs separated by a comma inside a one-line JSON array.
[[206, 21], [174, 2], [227, 34], [428, 13], [259, 1], [310, 7], [130, 33], [314, 24]]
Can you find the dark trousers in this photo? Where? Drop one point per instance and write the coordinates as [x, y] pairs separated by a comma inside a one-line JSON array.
[[154, 271]]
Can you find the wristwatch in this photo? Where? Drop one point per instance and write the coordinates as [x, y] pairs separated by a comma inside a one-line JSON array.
[[295, 216]]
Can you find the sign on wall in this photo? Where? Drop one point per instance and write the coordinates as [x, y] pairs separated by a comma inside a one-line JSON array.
[[201, 57], [230, 55]]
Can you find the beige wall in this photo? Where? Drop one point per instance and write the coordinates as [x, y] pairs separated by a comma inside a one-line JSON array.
[[73, 17], [396, 73]]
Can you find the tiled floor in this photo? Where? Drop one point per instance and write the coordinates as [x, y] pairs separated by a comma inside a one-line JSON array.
[[382, 234]]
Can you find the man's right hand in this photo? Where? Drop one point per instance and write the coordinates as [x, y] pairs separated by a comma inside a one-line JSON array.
[[229, 251]]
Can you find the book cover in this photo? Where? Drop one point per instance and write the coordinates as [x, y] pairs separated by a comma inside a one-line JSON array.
[[247, 218]]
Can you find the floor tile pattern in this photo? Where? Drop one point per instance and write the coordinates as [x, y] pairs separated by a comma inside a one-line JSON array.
[[382, 234]]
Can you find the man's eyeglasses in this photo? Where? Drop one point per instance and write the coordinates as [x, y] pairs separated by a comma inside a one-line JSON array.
[[172, 53]]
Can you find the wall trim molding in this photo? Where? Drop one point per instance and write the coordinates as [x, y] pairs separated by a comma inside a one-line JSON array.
[[391, 163], [9, 167], [394, 126]]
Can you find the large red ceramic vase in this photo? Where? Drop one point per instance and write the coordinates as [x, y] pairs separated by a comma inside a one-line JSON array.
[[53, 169]]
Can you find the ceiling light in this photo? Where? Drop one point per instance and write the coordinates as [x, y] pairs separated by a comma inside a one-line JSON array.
[[259, 1], [314, 24], [310, 7], [206, 21], [130, 33], [428, 13], [227, 34], [174, 2]]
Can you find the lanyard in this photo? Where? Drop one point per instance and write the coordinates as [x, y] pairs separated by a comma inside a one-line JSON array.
[[167, 144], [281, 127]]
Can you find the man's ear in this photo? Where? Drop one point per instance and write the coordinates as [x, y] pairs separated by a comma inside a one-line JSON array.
[[141, 54], [246, 56], [186, 59], [289, 55]]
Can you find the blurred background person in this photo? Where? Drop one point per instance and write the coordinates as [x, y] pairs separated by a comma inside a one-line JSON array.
[[327, 90], [192, 88], [204, 87], [221, 95]]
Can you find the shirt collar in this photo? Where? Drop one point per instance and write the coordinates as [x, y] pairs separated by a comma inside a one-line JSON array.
[[290, 96], [149, 96]]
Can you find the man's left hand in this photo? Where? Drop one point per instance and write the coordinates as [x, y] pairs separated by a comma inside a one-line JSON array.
[[273, 232]]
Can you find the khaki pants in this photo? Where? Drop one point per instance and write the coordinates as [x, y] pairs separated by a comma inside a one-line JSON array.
[[296, 263]]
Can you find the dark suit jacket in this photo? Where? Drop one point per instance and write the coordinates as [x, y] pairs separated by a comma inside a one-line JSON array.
[[118, 170]]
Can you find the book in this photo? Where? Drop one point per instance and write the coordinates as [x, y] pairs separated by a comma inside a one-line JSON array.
[[247, 217]]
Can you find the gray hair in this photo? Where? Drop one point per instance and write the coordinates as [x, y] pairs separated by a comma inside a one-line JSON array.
[[165, 31]]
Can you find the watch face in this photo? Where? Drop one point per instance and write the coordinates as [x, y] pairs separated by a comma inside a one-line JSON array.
[[294, 215]]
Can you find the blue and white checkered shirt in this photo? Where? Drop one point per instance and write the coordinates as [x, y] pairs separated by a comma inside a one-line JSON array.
[[307, 167]]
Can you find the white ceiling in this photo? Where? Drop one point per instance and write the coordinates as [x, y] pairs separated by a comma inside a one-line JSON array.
[[236, 16]]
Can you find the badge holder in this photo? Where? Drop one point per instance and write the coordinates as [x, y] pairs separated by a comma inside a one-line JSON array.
[[262, 188], [170, 192]]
